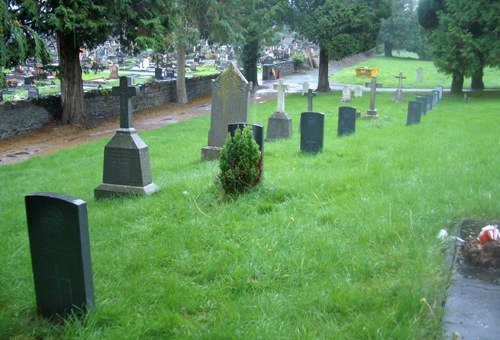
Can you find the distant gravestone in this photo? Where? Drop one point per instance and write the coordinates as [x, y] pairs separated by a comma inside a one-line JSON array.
[[33, 91], [399, 95], [192, 67], [230, 103], [440, 88], [347, 120], [60, 253], [358, 91], [423, 100], [1, 95], [127, 169], [28, 81], [280, 123], [372, 111], [310, 95], [419, 77], [114, 72], [430, 101], [346, 94], [305, 88], [436, 97], [414, 112], [158, 73], [312, 126], [170, 74]]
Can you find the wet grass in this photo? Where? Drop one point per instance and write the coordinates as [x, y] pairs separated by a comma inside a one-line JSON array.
[[341, 244]]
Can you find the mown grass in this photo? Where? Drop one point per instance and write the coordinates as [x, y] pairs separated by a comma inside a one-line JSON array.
[[389, 68], [341, 244]]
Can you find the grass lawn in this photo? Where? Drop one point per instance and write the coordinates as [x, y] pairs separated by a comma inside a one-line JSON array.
[[340, 245], [389, 68]]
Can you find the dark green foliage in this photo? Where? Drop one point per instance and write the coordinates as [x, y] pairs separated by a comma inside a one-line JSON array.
[[240, 162]]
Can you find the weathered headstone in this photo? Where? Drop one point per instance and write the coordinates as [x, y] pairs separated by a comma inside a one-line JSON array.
[[230, 103], [423, 100], [372, 111], [312, 126], [435, 98], [414, 112], [33, 91], [310, 95], [114, 72], [280, 123], [170, 74], [60, 253], [305, 88], [1, 95], [192, 67], [440, 88], [346, 94], [419, 77], [127, 169], [399, 95], [347, 120], [358, 91]]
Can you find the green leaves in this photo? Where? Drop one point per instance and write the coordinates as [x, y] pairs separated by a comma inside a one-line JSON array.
[[240, 166]]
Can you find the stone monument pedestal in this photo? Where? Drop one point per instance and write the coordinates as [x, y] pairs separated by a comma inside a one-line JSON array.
[[210, 153], [127, 169], [371, 114], [279, 125]]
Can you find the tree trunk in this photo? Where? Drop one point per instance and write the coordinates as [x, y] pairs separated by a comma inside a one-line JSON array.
[[388, 49], [323, 83], [181, 74], [476, 82], [457, 83], [250, 56], [70, 71]]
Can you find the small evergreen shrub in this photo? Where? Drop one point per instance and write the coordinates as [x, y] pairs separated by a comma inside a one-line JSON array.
[[240, 162], [298, 60]]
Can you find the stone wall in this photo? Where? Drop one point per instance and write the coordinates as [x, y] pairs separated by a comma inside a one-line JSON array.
[[23, 116], [284, 68]]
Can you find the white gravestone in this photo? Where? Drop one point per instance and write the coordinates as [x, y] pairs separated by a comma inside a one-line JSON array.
[[346, 94], [358, 91]]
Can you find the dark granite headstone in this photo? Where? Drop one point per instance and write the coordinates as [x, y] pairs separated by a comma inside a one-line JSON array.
[[28, 81], [414, 112], [127, 169], [430, 99], [33, 91], [423, 100], [158, 73], [347, 120], [170, 74], [60, 253], [312, 125], [1, 95]]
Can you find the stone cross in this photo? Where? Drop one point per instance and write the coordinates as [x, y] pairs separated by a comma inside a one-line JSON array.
[[281, 87], [400, 85], [125, 91], [310, 95], [372, 111]]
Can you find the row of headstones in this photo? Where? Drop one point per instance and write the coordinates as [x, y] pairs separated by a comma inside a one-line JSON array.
[[422, 104]]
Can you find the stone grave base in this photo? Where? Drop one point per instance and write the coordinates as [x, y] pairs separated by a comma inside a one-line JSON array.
[[210, 153], [371, 114], [279, 125], [105, 190]]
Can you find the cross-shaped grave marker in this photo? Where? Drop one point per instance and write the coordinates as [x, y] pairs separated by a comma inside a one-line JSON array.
[[372, 111], [399, 96], [125, 91], [281, 87], [310, 95]]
